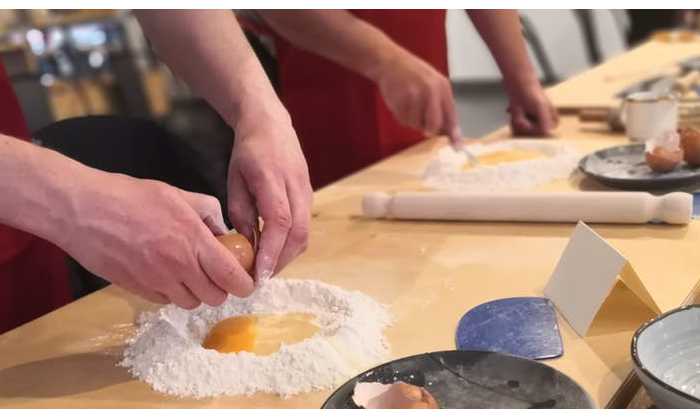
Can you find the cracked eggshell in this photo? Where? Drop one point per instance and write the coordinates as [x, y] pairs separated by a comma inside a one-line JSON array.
[[690, 142], [398, 395], [661, 159]]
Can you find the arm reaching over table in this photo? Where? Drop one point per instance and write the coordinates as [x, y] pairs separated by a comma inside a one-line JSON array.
[[145, 236], [268, 175], [530, 109], [418, 95]]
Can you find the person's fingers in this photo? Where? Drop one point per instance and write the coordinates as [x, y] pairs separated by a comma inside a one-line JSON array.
[[451, 121], [273, 205], [555, 114], [209, 210], [223, 269], [545, 122], [241, 208], [205, 289], [300, 201], [181, 296], [520, 123], [409, 110], [144, 292], [433, 120]]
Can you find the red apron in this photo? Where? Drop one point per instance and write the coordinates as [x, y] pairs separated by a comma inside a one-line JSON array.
[[340, 117], [34, 277]]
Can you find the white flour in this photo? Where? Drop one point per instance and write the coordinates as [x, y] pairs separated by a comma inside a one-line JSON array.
[[446, 171], [350, 340]]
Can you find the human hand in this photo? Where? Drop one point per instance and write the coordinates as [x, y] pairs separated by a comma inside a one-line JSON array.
[[531, 112], [268, 177], [419, 96], [154, 240]]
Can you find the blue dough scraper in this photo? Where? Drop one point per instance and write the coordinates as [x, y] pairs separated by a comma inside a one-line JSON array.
[[521, 326]]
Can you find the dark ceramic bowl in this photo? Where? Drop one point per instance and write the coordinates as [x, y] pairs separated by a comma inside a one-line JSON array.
[[666, 355]]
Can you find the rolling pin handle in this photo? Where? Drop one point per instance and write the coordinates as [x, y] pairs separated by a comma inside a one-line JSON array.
[[676, 208], [376, 204]]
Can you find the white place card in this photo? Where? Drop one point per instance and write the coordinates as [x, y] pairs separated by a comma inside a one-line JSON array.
[[586, 275]]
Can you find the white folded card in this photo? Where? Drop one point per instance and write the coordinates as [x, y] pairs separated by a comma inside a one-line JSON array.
[[586, 275]]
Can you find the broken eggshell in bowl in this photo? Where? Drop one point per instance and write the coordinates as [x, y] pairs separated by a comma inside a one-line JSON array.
[[398, 395], [664, 153], [690, 142]]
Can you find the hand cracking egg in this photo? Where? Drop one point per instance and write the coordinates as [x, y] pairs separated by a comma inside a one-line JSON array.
[[663, 154], [261, 334], [241, 249]]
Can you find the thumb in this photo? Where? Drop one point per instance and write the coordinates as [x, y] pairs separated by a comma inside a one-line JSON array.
[[519, 121], [554, 113], [209, 210], [545, 120], [456, 137]]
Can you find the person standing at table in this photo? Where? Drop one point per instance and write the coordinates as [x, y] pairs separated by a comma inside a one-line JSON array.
[[361, 85], [150, 238]]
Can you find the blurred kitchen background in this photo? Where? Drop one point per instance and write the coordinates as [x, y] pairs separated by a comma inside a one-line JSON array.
[[72, 63]]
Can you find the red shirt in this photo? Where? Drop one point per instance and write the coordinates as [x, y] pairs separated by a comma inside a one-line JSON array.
[[340, 116], [33, 273]]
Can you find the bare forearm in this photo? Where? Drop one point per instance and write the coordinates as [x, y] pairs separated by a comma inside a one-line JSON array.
[[501, 31], [338, 36], [208, 50], [38, 187]]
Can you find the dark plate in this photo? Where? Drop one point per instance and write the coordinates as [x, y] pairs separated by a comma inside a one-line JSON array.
[[474, 379], [624, 167]]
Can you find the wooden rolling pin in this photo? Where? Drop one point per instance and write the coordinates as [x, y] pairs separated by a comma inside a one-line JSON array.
[[593, 207], [611, 116]]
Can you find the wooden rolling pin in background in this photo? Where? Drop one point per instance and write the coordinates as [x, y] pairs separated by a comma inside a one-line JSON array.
[[592, 207], [610, 116]]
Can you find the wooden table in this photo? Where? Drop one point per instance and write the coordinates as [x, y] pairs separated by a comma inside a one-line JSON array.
[[598, 87], [429, 273]]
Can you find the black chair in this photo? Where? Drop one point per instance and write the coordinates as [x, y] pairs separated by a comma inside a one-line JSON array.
[[144, 149]]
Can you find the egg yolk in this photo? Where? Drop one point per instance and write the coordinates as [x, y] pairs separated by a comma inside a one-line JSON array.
[[259, 334], [505, 156]]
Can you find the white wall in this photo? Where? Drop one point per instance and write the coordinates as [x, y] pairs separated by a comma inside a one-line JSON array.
[[559, 31], [469, 59]]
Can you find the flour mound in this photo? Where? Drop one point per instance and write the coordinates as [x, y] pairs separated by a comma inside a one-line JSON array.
[[446, 170], [166, 351]]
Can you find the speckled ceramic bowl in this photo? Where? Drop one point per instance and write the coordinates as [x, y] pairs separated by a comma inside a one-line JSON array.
[[666, 355]]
